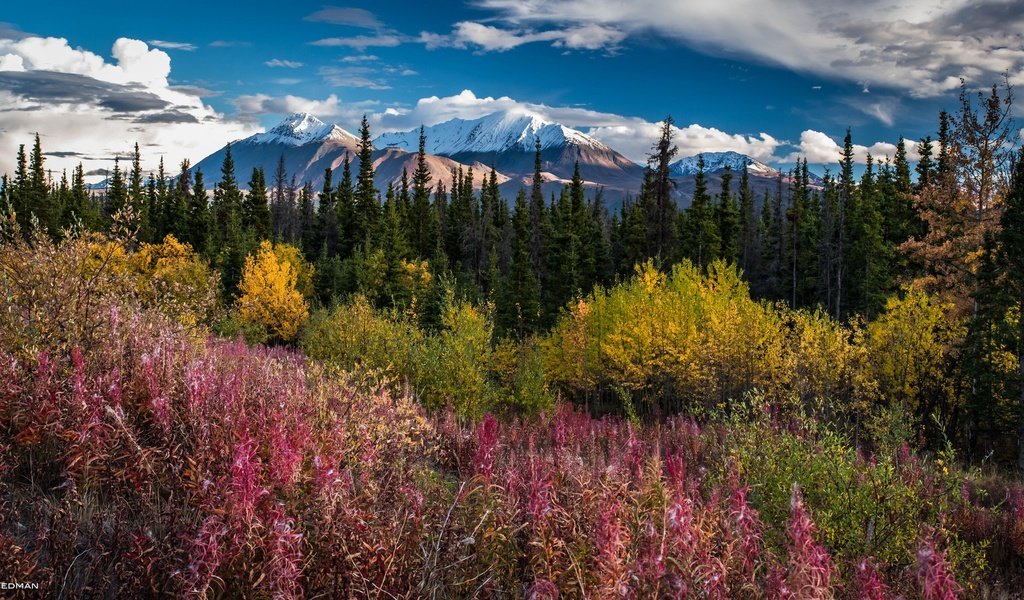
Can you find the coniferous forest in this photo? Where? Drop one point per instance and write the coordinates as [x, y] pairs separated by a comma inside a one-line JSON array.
[[261, 389]]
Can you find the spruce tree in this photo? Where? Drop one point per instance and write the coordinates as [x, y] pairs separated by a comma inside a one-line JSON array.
[[925, 166], [255, 207], [662, 219], [367, 207], [727, 215], [518, 310], [199, 220], [423, 220]]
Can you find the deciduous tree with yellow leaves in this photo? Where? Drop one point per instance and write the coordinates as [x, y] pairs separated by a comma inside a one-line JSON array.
[[269, 296]]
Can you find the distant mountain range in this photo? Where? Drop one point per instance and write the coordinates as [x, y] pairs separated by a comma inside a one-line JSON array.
[[505, 141]]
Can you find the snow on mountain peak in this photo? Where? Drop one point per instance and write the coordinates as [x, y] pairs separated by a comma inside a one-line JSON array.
[[496, 132], [718, 161], [300, 129]]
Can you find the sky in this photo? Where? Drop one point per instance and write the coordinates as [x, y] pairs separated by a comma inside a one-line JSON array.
[[773, 80]]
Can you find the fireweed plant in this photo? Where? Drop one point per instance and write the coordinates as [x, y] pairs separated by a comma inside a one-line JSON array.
[[140, 457]]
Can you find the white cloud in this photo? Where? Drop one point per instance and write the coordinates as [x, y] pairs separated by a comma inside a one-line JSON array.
[[819, 148], [287, 64], [88, 109], [255, 105], [187, 47], [361, 42], [921, 46], [355, 58], [488, 38]]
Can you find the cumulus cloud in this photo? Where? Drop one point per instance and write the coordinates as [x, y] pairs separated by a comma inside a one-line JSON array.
[[820, 148], [88, 108], [921, 46], [287, 64]]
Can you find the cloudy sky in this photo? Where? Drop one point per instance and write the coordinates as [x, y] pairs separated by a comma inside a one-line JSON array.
[[774, 80]]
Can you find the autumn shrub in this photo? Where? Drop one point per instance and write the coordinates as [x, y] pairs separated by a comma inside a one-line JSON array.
[[60, 295], [863, 505], [694, 340], [268, 295], [458, 366]]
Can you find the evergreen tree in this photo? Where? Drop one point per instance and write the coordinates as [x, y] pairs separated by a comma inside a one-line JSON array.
[[423, 220], [176, 212], [662, 219], [925, 166], [727, 215], [748, 238], [701, 239], [199, 219], [20, 190], [327, 216], [255, 207], [344, 210], [137, 196], [117, 191], [518, 310], [37, 190], [367, 207]]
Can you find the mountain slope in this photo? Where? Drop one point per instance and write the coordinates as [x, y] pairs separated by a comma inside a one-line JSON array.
[[309, 146], [506, 141]]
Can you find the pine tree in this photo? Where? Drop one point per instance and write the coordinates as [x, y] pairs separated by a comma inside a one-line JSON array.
[[37, 190], [199, 220], [662, 219], [395, 247], [748, 238], [925, 166], [20, 190], [344, 210], [175, 216], [847, 207], [227, 201], [367, 206], [255, 208], [537, 227], [327, 216], [311, 247], [518, 310], [424, 224], [137, 196], [727, 215], [701, 240], [117, 191]]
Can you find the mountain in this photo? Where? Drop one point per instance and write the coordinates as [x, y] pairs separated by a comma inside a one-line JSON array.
[[309, 146], [506, 141], [718, 161], [763, 178]]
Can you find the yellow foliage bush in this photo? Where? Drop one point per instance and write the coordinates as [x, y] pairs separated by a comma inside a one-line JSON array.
[[269, 296], [695, 340]]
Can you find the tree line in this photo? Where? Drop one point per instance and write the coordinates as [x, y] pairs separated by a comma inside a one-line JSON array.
[[951, 226]]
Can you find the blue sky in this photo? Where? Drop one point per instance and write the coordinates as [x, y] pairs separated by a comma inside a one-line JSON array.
[[773, 80]]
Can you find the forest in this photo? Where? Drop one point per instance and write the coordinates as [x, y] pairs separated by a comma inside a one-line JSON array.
[[266, 390]]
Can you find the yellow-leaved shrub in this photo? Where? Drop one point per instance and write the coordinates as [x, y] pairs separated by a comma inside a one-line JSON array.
[[268, 295]]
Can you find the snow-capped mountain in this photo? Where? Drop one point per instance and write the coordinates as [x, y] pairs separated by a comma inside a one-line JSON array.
[[506, 141], [309, 146], [718, 161], [300, 129], [497, 132]]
